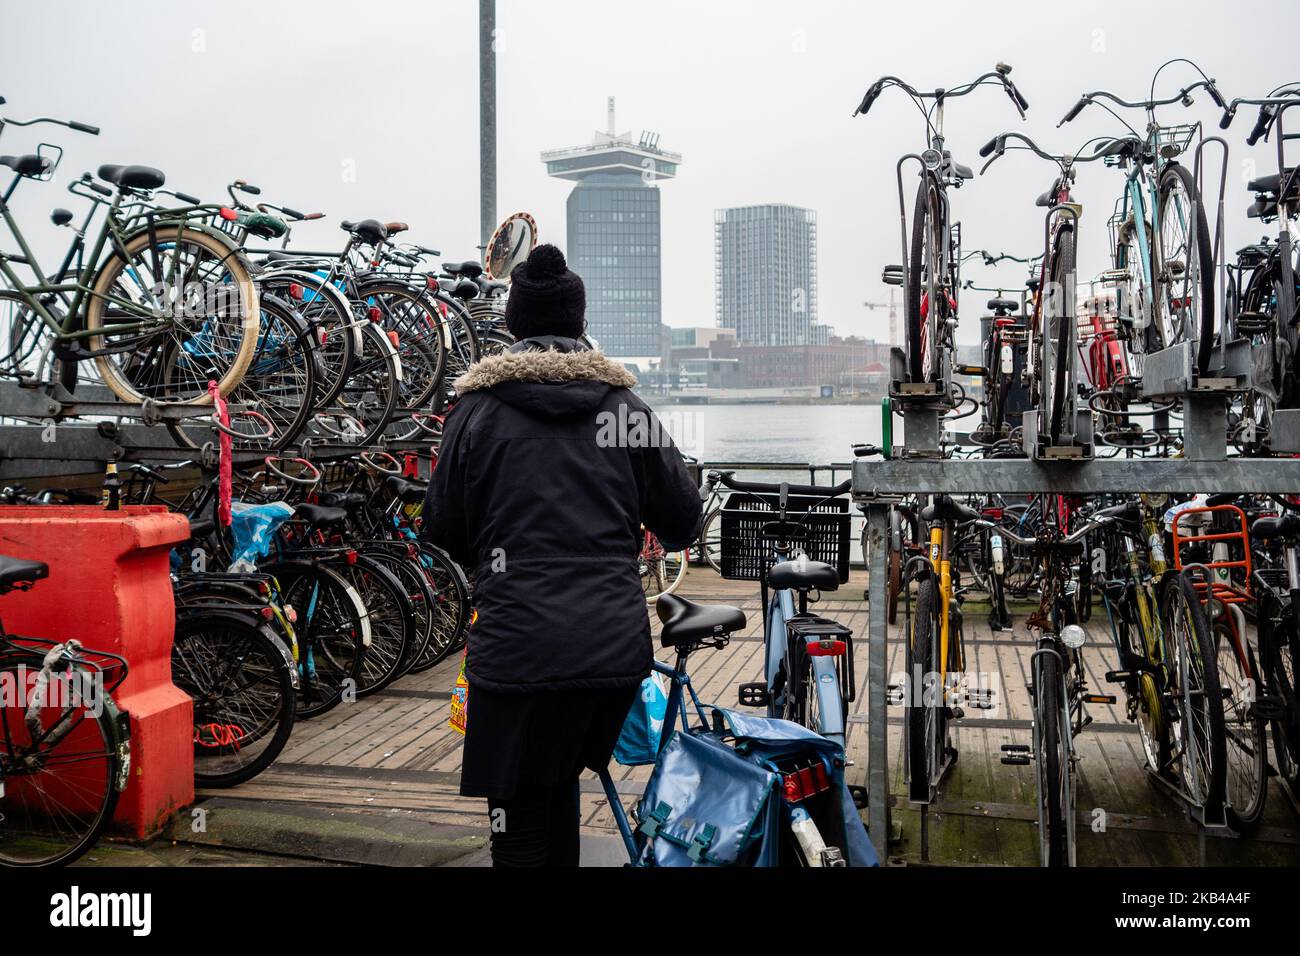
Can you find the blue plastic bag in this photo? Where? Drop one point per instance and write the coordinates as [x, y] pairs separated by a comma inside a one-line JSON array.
[[638, 741]]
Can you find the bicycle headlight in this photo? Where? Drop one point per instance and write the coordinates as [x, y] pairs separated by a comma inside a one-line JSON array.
[[1073, 636], [932, 159]]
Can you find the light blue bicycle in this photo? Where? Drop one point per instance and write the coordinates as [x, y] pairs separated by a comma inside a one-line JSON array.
[[794, 540]]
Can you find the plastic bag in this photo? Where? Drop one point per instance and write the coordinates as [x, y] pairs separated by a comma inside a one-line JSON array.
[[638, 741], [460, 699]]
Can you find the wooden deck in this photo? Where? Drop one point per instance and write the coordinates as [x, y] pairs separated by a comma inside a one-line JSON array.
[[394, 751]]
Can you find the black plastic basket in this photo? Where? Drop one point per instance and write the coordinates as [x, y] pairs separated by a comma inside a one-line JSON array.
[[748, 551]]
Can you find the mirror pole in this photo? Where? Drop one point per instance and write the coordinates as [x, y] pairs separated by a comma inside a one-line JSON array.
[[487, 120]]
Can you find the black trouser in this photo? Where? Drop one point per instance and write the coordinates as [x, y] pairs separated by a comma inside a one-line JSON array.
[[538, 826]]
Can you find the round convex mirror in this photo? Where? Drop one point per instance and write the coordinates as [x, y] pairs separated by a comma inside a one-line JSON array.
[[510, 245]]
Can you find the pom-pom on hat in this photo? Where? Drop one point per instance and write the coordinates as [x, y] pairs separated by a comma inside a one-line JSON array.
[[545, 297]]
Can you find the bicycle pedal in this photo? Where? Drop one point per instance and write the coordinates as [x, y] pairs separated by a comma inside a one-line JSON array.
[[833, 856], [1015, 748], [1120, 677], [1017, 760], [1100, 699], [754, 694], [955, 713], [894, 695], [1270, 708]]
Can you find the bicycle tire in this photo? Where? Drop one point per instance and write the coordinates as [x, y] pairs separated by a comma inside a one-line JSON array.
[[284, 365], [1197, 682], [1054, 845], [711, 540], [222, 761], [327, 312], [243, 328], [33, 848], [923, 721], [451, 606], [333, 630], [1245, 731], [1176, 176], [391, 621], [1063, 269], [922, 331]]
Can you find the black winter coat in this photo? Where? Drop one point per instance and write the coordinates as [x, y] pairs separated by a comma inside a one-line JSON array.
[[548, 468]]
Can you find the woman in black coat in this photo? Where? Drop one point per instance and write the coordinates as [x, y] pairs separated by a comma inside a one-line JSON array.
[[548, 469]]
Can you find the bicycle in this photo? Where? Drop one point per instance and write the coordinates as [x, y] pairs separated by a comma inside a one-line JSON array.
[[793, 773], [1050, 365], [794, 540], [932, 277], [65, 747], [164, 305], [1163, 259]]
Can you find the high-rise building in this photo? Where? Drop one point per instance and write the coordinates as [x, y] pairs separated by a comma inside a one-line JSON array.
[[613, 238], [765, 274]]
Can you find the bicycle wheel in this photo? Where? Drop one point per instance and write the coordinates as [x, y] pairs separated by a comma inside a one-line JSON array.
[[369, 397], [391, 621], [1279, 650], [924, 700], [1132, 296], [451, 606], [1199, 736], [1060, 330], [280, 385], [329, 316], [333, 633], [1052, 760], [925, 307], [205, 316], [60, 795], [661, 571], [711, 540], [1185, 264], [420, 338], [1247, 743], [241, 680], [398, 561]]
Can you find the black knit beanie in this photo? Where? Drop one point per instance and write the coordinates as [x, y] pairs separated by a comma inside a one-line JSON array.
[[545, 297]]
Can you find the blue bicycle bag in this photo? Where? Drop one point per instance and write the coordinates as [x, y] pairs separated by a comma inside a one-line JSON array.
[[716, 796]]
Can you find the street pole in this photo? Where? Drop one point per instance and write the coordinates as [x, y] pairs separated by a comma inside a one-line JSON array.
[[487, 121]]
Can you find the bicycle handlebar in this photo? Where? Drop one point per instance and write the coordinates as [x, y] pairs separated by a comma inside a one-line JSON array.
[[1182, 96], [761, 487], [1000, 73]]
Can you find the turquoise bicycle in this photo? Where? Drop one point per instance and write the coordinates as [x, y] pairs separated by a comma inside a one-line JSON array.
[[1161, 246]]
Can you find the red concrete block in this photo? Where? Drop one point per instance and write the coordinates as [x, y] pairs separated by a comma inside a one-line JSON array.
[[109, 587]]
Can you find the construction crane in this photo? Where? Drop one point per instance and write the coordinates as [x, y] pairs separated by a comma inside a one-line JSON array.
[[895, 337]]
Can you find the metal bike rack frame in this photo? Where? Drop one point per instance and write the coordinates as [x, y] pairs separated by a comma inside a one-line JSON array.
[[921, 470]]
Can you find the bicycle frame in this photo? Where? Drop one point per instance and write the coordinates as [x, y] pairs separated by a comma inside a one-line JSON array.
[[830, 702], [114, 229]]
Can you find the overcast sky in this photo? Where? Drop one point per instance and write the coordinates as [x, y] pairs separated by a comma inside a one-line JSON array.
[[371, 109]]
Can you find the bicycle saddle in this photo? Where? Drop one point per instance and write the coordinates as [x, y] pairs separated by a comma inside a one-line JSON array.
[[1265, 184], [411, 492], [132, 177], [1003, 306], [1281, 526], [370, 231], [320, 515], [803, 575], [1047, 200], [686, 623], [344, 499], [16, 571], [27, 165], [945, 508], [469, 269]]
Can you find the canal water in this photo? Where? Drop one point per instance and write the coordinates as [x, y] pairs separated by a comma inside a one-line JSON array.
[[798, 434]]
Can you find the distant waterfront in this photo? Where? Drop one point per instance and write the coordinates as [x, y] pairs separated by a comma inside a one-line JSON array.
[[802, 434]]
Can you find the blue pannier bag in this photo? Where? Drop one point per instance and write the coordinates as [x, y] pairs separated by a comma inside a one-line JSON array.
[[638, 741], [716, 797]]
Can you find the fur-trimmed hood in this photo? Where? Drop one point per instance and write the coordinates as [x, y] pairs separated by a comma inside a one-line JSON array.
[[548, 367]]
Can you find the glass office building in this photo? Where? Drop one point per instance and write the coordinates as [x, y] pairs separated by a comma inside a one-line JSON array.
[[765, 274], [613, 238]]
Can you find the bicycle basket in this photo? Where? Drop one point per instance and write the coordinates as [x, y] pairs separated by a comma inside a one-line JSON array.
[[748, 547], [1173, 141]]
